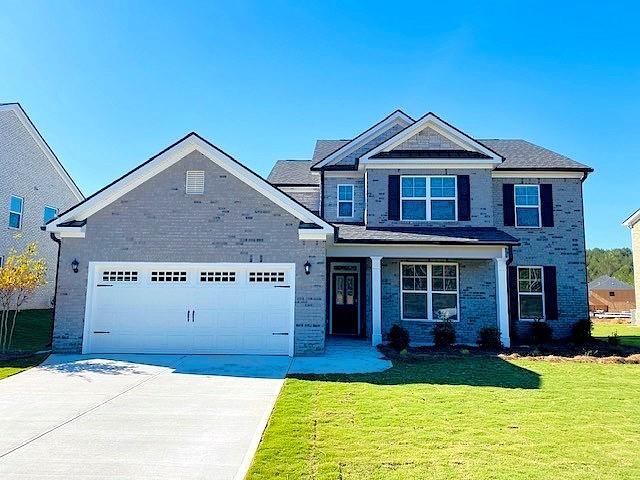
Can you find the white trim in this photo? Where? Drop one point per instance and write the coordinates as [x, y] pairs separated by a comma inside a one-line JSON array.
[[15, 212], [352, 201], [294, 189], [331, 272], [433, 122], [24, 119], [312, 234], [531, 293], [534, 174], [426, 163], [632, 219], [396, 117], [428, 198], [70, 232], [516, 206], [415, 251], [429, 292], [170, 157]]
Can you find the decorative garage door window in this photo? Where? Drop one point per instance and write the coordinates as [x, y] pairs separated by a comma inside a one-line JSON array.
[[217, 276], [266, 277], [168, 276], [429, 291], [120, 276]]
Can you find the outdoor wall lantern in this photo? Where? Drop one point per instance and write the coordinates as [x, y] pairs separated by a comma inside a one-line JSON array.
[[307, 268], [75, 264]]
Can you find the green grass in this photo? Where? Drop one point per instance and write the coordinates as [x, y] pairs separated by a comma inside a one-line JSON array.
[[627, 334], [458, 418], [32, 334]]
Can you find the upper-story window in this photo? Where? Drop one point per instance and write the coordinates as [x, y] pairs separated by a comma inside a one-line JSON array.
[[527, 205], [49, 213], [15, 212], [345, 201], [428, 198]]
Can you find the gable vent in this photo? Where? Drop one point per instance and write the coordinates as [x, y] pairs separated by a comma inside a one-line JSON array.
[[195, 182]]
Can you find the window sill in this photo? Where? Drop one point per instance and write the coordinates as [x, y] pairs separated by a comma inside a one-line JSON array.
[[531, 320], [426, 320]]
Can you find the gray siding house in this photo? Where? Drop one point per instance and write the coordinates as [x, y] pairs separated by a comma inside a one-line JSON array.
[[34, 187], [412, 222]]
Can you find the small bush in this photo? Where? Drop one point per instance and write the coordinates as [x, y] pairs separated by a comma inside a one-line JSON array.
[[398, 338], [541, 333], [444, 334], [489, 338], [581, 331], [613, 339]]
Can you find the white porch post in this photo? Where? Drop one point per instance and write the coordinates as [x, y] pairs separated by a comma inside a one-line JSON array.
[[376, 301], [502, 300]]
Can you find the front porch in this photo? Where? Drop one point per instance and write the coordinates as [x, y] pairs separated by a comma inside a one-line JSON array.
[[416, 286]]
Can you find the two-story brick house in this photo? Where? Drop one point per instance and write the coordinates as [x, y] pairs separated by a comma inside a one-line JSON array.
[[34, 186], [411, 222]]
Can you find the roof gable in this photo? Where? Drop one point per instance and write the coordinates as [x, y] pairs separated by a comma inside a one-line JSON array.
[[22, 116], [170, 156]]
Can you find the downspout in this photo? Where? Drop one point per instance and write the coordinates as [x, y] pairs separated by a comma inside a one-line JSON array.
[[55, 288], [510, 255]]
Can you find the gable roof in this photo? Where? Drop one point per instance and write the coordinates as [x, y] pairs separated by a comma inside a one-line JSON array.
[[17, 109], [168, 157], [523, 155], [605, 282], [325, 148], [293, 173], [397, 117]]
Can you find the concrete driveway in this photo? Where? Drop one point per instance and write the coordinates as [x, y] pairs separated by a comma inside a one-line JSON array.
[[137, 416]]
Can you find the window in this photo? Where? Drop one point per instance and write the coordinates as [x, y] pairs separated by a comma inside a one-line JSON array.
[[612, 294], [527, 204], [49, 213], [437, 202], [217, 276], [429, 291], [266, 277], [530, 293], [120, 276], [168, 276], [15, 212], [195, 182], [345, 201]]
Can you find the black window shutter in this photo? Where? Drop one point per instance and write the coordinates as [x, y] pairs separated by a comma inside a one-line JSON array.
[[508, 205], [464, 198], [550, 293], [546, 204], [394, 197], [512, 282]]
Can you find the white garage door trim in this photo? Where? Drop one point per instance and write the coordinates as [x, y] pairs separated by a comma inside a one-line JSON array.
[[144, 268]]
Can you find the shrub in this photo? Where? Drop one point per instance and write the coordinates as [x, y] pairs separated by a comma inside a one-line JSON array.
[[489, 338], [444, 334], [398, 338], [581, 331], [613, 339], [541, 332]]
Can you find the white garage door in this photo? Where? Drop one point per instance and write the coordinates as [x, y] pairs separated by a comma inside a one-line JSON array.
[[190, 308]]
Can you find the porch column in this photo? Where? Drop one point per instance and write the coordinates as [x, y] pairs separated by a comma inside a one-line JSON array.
[[376, 301], [502, 300]]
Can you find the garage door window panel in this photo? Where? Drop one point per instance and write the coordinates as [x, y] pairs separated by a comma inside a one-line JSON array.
[[266, 277], [169, 276], [120, 276], [216, 277]]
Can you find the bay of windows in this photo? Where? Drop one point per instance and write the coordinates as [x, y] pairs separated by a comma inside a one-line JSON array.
[[428, 197], [429, 291]]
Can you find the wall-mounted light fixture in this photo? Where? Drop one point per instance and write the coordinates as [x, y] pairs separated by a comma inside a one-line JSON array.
[[307, 268], [75, 264]]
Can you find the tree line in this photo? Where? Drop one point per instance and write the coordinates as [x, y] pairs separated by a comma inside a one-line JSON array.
[[616, 263]]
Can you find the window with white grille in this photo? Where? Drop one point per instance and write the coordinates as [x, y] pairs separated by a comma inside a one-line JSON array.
[[217, 276], [168, 276], [120, 276], [195, 182], [262, 277]]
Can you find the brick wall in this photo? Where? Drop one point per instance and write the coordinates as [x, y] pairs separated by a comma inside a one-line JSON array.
[[158, 222], [428, 139], [331, 196]]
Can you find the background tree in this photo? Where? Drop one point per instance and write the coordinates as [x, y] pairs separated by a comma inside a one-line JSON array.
[[617, 263], [23, 272]]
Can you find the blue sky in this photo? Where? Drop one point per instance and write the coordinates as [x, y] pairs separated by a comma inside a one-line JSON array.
[[111, 83]]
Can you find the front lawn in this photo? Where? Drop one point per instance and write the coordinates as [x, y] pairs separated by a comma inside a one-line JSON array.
[[627, 334], [458, 418], [32, 334]]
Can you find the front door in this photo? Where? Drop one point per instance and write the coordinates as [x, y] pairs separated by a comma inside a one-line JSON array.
[[345, 304]]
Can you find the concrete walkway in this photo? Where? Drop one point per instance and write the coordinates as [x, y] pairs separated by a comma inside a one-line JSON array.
[[137, 416], [342, 355]]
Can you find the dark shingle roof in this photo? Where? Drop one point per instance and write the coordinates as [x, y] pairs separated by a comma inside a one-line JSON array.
[[606, 282], [293, 172], [350, 233], [326, 147], [520, 154]]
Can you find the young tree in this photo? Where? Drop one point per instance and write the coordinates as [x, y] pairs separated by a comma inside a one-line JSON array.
[[23, 272]]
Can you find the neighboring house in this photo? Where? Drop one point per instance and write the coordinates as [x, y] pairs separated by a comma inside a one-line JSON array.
[[411, 222], [608, 294], [34, 187], [632, 223]]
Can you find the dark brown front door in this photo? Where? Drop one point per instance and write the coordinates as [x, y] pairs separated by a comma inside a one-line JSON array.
[[344, 303]]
